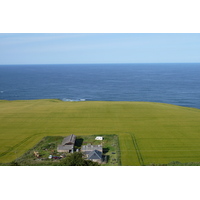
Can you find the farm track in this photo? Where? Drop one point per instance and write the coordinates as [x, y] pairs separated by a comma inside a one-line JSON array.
[[139, 155], [17, 145]]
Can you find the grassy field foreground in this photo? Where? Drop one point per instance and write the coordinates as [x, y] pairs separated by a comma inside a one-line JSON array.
[[148, 132]]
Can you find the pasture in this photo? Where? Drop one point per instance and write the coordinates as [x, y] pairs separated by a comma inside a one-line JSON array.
[[148, 132]]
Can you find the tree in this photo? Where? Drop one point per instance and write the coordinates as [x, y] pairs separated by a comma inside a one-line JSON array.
[[76, 159]]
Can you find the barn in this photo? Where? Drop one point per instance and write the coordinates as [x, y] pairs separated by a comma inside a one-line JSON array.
[[67, 144]]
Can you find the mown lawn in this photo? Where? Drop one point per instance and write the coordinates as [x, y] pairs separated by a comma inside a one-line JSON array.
[[148, 132]]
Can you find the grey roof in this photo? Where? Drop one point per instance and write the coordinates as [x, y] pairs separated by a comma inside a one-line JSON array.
[[65, 147], [95, 155], [69, 140], [90, 147]]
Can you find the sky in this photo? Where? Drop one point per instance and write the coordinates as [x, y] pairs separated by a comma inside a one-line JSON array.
[[73, 48]]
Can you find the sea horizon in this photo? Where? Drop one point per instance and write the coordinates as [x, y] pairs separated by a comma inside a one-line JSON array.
[[171, 83], [101, 63]]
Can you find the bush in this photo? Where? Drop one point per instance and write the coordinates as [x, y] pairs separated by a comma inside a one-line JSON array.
[[14, 163], [76, 159]]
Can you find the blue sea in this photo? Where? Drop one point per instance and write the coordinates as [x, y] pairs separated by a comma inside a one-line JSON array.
[[176, 83]]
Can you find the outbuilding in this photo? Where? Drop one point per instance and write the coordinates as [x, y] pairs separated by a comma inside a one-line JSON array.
[[99, 138], [67, 144]]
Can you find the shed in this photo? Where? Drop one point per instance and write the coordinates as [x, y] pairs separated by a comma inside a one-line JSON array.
[[99, 138], [65, 148]]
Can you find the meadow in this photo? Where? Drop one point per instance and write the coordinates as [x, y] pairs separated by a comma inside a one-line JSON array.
[[149, 133]]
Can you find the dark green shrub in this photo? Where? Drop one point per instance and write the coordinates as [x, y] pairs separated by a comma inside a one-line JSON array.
[[14, 163], [76, 159]]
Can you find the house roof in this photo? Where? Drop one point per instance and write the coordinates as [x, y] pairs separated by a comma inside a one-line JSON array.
[[90, 147], [65, 147], [95, 155], [69, 140]]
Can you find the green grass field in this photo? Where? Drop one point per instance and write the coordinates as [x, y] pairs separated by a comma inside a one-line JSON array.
[[148, 132]]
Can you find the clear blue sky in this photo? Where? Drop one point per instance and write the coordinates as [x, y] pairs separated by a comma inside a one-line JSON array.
[[46, 48]]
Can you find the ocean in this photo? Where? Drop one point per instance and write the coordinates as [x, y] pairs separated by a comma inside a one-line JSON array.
[[176, 83]]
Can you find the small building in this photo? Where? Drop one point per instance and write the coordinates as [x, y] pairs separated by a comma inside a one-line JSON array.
[[92, 152], [67, 144], [65, 148], [99, 138]]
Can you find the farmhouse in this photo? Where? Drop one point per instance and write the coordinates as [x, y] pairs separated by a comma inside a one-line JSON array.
[[95, 156], [92, 152], [67, 144]]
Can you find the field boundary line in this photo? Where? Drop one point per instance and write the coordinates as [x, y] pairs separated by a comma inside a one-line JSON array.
[[139, 155], [17, 145]]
